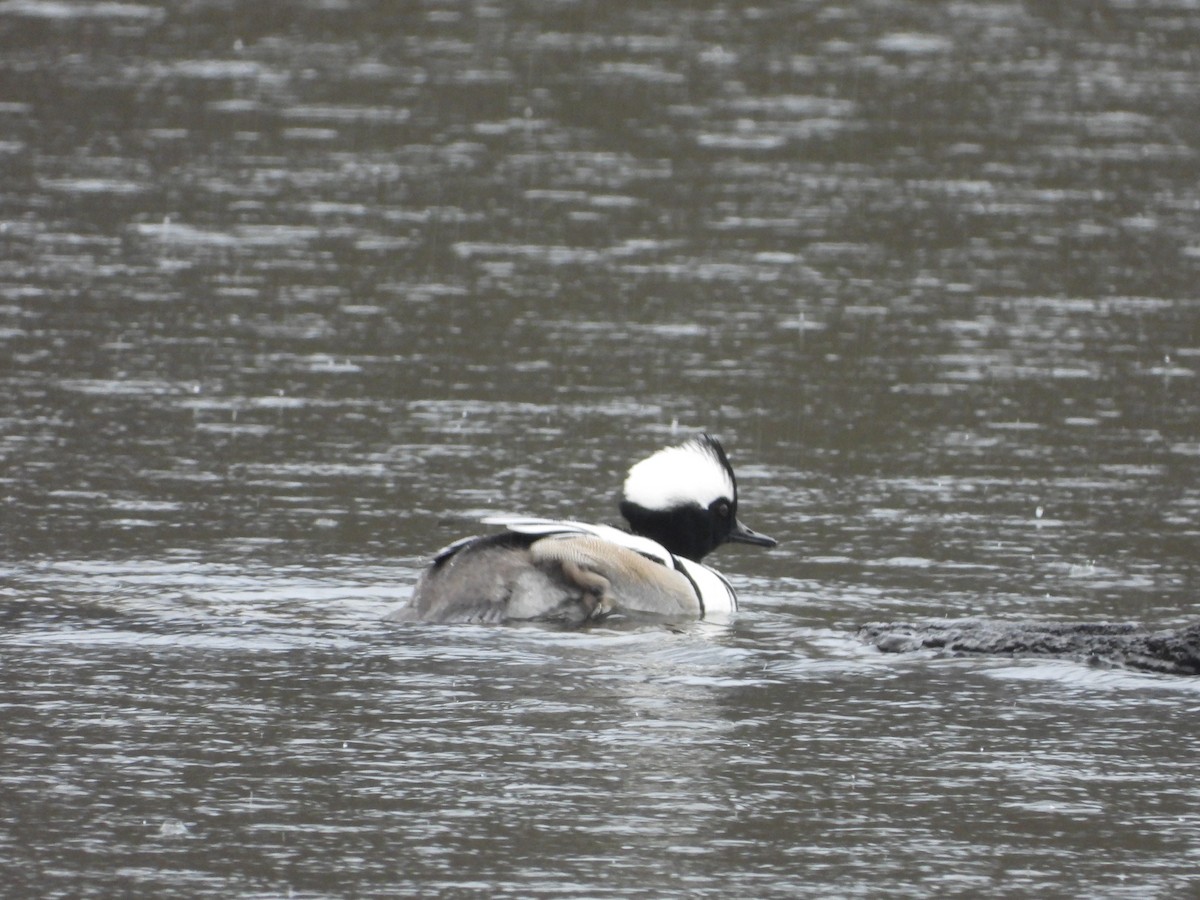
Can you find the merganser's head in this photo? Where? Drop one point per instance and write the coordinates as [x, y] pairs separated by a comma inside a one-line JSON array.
[[685, 497]]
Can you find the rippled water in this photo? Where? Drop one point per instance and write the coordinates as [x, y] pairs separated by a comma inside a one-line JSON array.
[[291, 295]]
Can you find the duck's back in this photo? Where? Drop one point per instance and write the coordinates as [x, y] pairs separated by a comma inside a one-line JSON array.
[[555, 571]]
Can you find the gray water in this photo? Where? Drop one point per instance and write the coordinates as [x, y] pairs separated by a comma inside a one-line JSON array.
[[291, 294]]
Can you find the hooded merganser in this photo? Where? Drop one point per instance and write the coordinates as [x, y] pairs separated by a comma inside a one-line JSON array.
[[681, 503]]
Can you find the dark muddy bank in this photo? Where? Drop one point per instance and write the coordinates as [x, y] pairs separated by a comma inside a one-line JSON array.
[[1171, 651]]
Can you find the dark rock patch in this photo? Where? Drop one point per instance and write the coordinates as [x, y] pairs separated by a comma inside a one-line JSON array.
[[1173, 651]]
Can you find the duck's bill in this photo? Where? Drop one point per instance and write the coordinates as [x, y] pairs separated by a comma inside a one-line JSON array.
[[743, 535]]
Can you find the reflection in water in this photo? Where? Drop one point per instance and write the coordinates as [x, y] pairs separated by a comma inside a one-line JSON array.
[[285, 297]]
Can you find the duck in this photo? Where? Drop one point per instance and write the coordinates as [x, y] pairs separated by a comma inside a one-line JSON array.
[[680, 503]]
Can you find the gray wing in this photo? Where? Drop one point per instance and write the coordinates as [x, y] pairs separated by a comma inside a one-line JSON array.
[[493, 579]]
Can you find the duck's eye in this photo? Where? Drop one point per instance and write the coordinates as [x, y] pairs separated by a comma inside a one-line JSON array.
[[723, 510]]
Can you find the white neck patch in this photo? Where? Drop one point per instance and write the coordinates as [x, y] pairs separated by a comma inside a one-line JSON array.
[[691, 473]]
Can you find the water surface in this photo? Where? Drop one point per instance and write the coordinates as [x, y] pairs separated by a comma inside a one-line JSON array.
[[288, 298]]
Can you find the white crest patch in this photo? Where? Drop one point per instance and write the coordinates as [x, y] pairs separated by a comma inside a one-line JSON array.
[[680, 476]]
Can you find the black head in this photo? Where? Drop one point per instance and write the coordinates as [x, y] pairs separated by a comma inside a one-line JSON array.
[[685, 497]]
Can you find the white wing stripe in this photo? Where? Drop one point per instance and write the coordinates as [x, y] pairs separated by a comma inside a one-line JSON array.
[[547, 527]]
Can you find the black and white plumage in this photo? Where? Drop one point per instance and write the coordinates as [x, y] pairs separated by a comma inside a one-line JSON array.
[[681, 504]]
